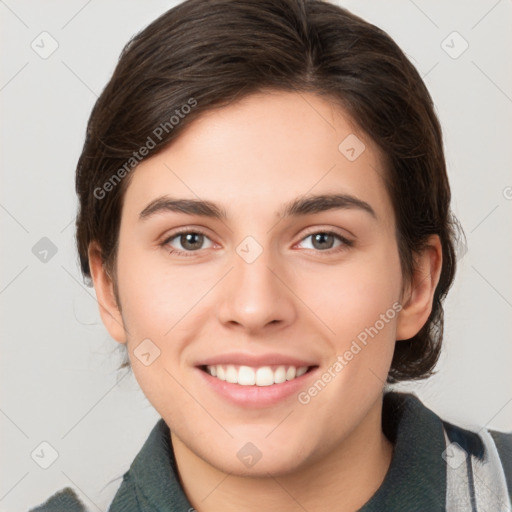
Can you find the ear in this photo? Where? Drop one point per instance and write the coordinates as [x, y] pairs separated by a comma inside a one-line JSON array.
[[419, 295], [104, 287]]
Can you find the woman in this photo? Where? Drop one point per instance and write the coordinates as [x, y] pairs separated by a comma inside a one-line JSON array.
[[265, 217]]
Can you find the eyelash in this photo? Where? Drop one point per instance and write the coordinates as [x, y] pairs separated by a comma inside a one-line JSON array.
[[346, 243]]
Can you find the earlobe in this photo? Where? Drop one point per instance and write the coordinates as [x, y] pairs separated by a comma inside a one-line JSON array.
[[104, 287], [418, 299]]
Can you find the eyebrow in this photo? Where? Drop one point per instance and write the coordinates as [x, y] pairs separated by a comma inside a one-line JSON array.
[[300, 206]]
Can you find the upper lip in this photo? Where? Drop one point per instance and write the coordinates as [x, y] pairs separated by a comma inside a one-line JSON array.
[[255, 361]]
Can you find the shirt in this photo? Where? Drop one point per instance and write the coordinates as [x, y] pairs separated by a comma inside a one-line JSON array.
[[436, 466]]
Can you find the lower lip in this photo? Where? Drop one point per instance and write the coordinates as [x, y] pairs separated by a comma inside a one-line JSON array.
[[257, 396]]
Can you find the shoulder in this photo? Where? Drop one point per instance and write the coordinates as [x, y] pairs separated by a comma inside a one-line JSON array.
[[503, 441], [471, 467], [65, 500], [482, 458], [136, 482], [486, 445]]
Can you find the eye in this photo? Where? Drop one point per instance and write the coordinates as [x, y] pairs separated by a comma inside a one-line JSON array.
[[187, 242], [326, 240]]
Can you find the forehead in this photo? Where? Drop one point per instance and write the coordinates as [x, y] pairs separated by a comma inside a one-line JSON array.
[[262, 152]]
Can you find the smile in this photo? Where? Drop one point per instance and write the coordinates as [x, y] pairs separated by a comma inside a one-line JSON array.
[[260, 376]]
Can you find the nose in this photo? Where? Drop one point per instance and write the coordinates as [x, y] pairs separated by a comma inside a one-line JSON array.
[[256, 296]]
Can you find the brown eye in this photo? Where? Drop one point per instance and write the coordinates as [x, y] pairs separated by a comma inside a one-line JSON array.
[[187, 242], [325, 240], [191, 241]]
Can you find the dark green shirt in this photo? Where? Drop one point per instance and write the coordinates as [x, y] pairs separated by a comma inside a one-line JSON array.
[[436, 466]]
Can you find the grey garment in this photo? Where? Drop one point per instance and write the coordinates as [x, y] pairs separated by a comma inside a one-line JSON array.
[[475, 475], [504, 445], [62, 501], [436, 466]]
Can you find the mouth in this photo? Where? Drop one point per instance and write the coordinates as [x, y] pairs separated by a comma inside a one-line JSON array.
[[256, 376], [256, 382]]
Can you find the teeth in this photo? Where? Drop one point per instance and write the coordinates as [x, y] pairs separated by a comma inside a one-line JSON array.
[[262, 376], [280, 375], [246, 376], [301, 371], [290, 373], [231, 374]]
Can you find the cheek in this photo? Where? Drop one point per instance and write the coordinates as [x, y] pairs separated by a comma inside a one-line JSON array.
[[158, 304], [353, 296], [156, 296], [359, 304]]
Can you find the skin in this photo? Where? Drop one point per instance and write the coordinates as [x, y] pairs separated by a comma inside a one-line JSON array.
[[296, 299]]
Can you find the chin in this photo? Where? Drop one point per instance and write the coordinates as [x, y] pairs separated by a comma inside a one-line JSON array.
[[276, 465], [257, 456]]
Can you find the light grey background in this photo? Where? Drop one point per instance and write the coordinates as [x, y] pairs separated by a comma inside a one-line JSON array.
[[58, 368]]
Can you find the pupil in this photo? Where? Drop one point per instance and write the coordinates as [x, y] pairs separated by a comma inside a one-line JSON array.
[[191, 241], [321, 238]]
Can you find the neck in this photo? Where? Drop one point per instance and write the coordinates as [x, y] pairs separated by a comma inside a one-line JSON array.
[[344, 480]]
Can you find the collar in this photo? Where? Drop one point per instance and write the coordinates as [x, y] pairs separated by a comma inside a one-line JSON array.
[[416, 478], [154, 475]]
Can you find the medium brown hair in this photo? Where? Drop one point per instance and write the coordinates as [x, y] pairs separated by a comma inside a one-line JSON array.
[[202, 55]]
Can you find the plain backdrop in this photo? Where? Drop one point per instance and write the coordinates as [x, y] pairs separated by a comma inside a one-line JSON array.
[[58, 378]]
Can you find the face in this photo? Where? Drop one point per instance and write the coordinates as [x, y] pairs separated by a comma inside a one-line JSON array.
[[259, 283]]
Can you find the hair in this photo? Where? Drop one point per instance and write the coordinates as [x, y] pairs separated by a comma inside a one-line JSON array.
[[200, 56]]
